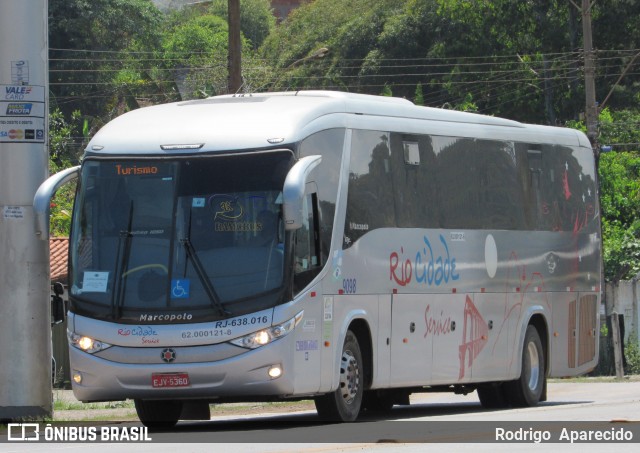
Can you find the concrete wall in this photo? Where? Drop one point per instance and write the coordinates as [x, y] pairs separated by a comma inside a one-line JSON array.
[[623, 299]]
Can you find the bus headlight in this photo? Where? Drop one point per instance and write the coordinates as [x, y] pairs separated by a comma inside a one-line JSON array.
[[266, 336], [86, 344]]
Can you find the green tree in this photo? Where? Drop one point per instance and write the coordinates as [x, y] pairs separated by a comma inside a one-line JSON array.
[[620, 207], [196, 51], [195, 56], [519, 60], [418, 96], [88, 40], [256, 18], [347, 28], [615, 28]]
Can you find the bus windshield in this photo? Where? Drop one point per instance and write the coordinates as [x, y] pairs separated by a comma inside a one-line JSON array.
[[189, 239]]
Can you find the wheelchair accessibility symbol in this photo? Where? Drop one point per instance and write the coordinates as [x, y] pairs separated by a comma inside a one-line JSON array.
[[180, 288]]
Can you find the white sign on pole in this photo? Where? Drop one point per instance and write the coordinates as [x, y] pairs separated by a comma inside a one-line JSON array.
[[22, 113], [13, 212]]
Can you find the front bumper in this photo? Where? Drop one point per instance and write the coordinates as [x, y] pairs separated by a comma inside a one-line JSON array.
[[241, 376]]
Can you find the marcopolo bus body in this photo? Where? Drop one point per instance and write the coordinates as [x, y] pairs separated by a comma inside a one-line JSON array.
[[347, 248]]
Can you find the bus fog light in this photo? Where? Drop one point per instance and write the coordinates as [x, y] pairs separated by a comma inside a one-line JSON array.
[[275, 372], [77, 377]]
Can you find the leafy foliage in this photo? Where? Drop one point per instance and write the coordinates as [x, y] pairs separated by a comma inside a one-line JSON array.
[[197, 52], [256, 18], [347, 28], [620, 206], [632, 354], [85, 37]]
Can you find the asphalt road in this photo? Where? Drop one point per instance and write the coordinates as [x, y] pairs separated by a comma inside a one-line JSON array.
[[435, 422]]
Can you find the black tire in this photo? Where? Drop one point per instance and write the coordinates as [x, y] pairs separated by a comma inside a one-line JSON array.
[[157, 415], [527, 390], [492, 396], [343, 405]]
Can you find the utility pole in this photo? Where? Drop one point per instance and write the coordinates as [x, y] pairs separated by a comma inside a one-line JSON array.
[[591, 119], [235, 47], [591, 109], [25, 314]]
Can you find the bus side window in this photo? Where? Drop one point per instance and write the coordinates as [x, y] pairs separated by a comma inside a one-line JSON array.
[[307, 246]]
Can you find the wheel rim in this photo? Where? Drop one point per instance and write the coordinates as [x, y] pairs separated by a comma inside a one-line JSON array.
[[349, 377], [534, 366]]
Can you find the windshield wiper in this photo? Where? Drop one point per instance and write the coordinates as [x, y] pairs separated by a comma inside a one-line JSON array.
[[202, 274], [122, 260]]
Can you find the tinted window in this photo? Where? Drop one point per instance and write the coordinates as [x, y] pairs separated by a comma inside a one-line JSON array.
[[370, 203], [414, 170], [420, 181], [329, 145]]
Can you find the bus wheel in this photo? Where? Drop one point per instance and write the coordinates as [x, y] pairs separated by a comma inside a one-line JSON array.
[[527, 390], [156, 414], [492, 395], [343, 405]]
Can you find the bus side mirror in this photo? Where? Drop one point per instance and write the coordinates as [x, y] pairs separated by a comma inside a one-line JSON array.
[[293, 192], [57, 304], [42, 199]]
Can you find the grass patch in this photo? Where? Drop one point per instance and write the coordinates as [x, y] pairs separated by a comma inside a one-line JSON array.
[[61, 405], [102, 417], [263, 405]]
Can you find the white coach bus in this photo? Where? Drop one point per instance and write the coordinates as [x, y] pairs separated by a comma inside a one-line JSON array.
[[347, 248]]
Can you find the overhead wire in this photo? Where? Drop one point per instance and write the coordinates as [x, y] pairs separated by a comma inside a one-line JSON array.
[[487, 72]]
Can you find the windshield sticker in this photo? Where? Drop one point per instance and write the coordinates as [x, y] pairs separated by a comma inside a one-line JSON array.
[[95, 282], [231, 213], [226, 207], [180, 288], [197, 203], [146, 232]]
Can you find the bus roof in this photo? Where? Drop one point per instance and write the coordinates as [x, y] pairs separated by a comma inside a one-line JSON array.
[[254, 121]]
